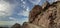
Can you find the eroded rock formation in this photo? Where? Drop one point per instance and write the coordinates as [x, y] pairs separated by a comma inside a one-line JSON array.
[[34, 12], [46, 16]]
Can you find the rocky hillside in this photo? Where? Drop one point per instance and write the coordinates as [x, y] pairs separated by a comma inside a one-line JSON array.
[[46, 16]]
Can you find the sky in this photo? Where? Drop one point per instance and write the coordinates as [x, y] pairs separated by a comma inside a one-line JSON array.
[[17, 11]]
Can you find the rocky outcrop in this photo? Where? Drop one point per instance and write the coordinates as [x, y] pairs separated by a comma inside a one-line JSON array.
[[47, 16], [41, 18], [16, 26], [34, 12]]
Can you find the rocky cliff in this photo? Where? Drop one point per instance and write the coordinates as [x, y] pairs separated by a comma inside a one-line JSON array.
[[46, 16]]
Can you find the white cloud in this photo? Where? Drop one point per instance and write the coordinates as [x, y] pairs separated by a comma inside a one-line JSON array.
[[56, 0], [24, 12], [23, 4], [11, 18], [35, 1], [21, 0], [5, 9]]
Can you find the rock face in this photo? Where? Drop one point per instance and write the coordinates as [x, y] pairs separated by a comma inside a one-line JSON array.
[[34, 12], [16, 26], [47, 16], [41, 18]]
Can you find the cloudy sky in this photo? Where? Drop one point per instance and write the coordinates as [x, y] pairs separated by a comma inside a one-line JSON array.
[[17, 11]]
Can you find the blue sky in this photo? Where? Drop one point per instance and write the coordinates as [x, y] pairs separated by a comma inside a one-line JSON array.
[[17, 11]]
